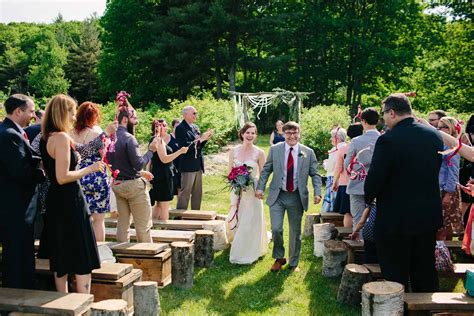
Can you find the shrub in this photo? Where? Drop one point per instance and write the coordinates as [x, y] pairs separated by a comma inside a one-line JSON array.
[[317, 123]]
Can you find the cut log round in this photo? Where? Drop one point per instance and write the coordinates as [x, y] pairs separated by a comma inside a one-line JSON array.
[[322, 233], [204, 248], [220, 236], [334, 258], [146, 300], [182, 264], [109, 308], [310, 220], [382, 298], [353, 278]]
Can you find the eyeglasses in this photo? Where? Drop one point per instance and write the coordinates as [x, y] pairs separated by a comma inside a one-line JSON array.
[[384, 111], [291, 133]]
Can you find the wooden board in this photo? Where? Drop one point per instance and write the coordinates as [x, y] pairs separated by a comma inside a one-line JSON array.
[[193, 214], [344, 232], [44, 302], [332, 217], [459, 270], [168, 224], [166, 236], [139, 248], [111, 271], [439, 302]]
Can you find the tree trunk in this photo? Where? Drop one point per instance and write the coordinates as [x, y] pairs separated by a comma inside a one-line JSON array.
[[218, 83], [146, 300], [220, 236], [353, 278], [322, 233], [109, 308], [182, 264], [204, 248], [382, 298], [334, 258], [310, 220]]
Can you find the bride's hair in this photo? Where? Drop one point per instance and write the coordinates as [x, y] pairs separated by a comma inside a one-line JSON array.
[[245, 128]]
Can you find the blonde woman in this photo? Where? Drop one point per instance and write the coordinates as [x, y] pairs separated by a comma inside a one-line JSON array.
[[448, 179], [70, 239]]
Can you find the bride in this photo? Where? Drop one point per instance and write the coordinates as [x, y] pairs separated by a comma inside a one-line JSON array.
[[247, 229]]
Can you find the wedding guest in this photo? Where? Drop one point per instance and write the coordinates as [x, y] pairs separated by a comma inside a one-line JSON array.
[[191, 164], [338, 138], [163, 169], [435, 116], [277, 136], [358, 161], [173, 143], [33, 130], [131, 190], [19, 174], [72, 246], [366, 225], [467, 170], [96, 186], [448, 179], [341, 177], [403, 178]]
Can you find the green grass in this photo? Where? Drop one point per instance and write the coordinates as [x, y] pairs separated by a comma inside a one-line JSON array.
[[230, 289]]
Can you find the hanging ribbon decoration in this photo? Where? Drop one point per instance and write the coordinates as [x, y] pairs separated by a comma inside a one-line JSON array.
[[361, 173], [453, 151], [236, 213]]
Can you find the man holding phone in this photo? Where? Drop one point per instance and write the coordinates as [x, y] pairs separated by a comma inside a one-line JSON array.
[[191, 164]]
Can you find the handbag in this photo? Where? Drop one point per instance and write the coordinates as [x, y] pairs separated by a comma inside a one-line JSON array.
[[443, 261], [469, 284]]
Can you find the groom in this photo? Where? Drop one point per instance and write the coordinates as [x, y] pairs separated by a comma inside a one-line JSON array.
[[291, 163]]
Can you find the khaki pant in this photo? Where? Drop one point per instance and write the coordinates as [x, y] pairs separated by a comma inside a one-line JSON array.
[[191, 187], [133, 199]]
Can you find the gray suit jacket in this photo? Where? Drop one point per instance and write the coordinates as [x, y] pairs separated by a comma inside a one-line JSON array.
[[307, 167], [366, 140]]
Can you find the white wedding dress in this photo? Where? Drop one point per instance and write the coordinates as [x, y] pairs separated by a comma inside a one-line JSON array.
[[246, 230]]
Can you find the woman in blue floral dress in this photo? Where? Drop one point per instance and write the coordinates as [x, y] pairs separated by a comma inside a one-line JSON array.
[[96, 186]]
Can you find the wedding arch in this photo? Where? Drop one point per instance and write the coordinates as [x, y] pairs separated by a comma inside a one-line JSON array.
[[261, 101]]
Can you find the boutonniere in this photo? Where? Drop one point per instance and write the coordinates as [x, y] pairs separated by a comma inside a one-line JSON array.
[[302, 154]]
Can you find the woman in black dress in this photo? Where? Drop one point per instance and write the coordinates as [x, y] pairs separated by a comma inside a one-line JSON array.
[[163, 170], [71, 245]]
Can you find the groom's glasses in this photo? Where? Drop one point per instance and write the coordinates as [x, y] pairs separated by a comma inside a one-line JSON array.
[[291, 133]]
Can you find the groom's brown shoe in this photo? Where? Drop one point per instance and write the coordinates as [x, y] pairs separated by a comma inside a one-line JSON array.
[[278, 264]]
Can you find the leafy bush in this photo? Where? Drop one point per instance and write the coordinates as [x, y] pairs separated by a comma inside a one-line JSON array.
[[317, 123]]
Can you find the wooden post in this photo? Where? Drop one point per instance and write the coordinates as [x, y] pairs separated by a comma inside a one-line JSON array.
[[334, 258], [322, 232], [353, 277], [204, 248], [219, 229], [109, 308], [382, 298], [310, 220], [182, 264], [146, 300]]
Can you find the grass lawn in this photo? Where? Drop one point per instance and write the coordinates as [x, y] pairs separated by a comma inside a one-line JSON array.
[[252, 289]]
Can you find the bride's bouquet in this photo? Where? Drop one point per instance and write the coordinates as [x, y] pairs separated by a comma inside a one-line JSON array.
[[240, 179]]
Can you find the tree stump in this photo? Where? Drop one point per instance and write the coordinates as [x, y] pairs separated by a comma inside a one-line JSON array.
[[334, 258], [204, 248], [146, 300], [220, 236], [382, 298], [353, 278], [322, 233], [310, 220], [182, 264], [109, 308]]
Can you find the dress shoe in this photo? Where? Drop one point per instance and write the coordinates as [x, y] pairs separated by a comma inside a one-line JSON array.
[[278, 264], [295, 269]]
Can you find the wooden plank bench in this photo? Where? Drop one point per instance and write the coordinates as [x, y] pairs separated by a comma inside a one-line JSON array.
[[168, 224], [193, 214], [344, 232], [356, 249], [427, 303], [166, 236], [332, 217], [44, 302], [459, 270]]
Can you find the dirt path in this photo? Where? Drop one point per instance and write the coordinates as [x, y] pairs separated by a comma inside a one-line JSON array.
[[216, 164]]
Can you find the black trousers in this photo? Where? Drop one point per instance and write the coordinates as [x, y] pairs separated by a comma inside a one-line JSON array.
[[370, 252], [18, 256], [405, 258]]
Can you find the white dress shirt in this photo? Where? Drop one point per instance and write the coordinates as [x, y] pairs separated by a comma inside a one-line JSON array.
[[295, 165]]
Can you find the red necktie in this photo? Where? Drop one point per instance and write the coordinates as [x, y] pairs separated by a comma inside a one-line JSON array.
[[25, 136], [289, 171]]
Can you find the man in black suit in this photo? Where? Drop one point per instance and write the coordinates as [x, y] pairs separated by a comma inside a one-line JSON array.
[[403, 178], [19, 174], [191, 164]]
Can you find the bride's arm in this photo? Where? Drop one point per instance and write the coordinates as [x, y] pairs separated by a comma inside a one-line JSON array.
[[231, 159]]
